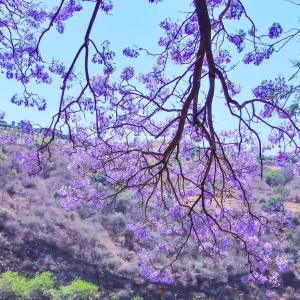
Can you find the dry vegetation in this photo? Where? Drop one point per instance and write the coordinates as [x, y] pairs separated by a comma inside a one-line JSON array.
[[36, 234]]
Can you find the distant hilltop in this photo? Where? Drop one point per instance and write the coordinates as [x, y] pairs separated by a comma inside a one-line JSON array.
[[13, 125], [5, 124]]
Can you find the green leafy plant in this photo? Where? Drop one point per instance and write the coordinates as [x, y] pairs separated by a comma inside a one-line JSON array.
[[4, 213], [13, 172], [282, 191], [73, 215], [79, 288], [276, 199], [2, 156], [274, 178], [16, 284]]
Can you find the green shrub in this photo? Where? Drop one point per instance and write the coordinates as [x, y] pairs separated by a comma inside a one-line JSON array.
[[4, 213], [274, 178], [2, 157], [42, 281], [14, 286], [79, 288], [10, 188], [15, 283], [282, 191], [73, 215], [276, 199], [13, 172]]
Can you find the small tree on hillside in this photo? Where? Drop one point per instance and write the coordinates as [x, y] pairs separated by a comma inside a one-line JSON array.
[[274, 178]]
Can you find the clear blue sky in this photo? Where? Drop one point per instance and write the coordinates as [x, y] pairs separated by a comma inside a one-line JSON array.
[[137, 22]]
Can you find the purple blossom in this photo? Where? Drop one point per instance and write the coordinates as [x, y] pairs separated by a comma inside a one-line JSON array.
[[106, 5], [270, 294], [282, 159], [191, 28], [282, 263], [9, 74], [258, 55], [127, 73], [139, 230], [60, 27], [26, 126], [235, 10], [130, 53], [97, 58], [155, 1], [238, 40], [58, 68], [275, 31], [161, 247]]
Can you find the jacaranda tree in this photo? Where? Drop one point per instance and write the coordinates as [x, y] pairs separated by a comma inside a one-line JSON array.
[[155, 135]]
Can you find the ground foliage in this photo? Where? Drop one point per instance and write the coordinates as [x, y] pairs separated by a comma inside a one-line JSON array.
[[41, 286], [174, 199]]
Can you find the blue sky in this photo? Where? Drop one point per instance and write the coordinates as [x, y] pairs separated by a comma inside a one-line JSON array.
[[137, 22]]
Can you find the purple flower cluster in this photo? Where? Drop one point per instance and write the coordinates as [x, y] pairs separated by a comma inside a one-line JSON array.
[[155, 1], [130, 52], [30, 101], [106, 5], [58, 68], [127, 73], [275, 31], [235, 11], [282, 159], [238, 40], [26, 126], [258, 55]]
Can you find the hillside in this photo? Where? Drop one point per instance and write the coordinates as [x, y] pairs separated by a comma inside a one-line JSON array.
[[36, 234]]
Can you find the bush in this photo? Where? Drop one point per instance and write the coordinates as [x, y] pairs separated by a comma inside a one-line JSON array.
[[2, 157], [119, 222], [11, 189], [4, 213], [13, 172], [276, 199], [274, 178], [15, 283], [73, 215], [14, 286], [282, 191], [79, 289], [41, 281]]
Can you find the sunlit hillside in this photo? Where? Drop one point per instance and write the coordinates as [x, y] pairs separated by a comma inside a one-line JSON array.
[[37, 234]]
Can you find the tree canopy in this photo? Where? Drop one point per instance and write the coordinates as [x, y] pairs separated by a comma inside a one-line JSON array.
[[154, 133]]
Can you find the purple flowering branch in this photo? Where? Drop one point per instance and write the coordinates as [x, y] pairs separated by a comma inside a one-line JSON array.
[[147, 127]]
